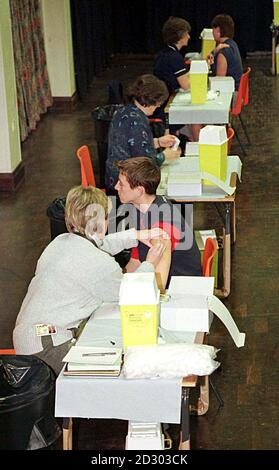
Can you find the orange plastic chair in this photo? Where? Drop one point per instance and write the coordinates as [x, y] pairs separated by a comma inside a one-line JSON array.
[[209, 253], [86, 168], [230, 135], [242, 100], [7, 351]]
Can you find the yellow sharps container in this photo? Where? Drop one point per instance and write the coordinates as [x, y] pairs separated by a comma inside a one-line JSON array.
[[276, 12], [208, 42], [139, 300], [213, 151], [198, 81]]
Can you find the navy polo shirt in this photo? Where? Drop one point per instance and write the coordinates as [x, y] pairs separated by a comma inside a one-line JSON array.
[[169, 65]]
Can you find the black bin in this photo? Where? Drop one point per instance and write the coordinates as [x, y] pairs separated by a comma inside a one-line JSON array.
[[56, 214], [27, 394], [102, 116]]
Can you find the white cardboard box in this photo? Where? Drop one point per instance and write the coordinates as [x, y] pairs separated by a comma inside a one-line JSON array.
[[185, 184], [223, 84], [191, 299], [144, 436]]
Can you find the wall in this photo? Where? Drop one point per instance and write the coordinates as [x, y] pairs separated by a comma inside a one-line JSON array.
[[10, 152], [59, 48]]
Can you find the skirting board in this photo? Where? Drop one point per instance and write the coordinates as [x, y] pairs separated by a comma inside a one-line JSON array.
[[11, 181], [64, 104]]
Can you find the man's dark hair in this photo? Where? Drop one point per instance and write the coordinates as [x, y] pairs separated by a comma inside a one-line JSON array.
[[141, 171], [174, 29], [148, 90], [226, 25]]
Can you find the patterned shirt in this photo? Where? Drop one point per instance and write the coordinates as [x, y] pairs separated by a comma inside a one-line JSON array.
[[129, 136]]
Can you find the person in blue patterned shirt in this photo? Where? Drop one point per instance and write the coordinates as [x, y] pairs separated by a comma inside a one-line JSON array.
[[130, 134]]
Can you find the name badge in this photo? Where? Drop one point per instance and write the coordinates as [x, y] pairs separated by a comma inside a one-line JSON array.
[[44, 330]]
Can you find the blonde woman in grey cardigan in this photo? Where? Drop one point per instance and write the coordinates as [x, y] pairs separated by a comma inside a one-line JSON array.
[[74, 275]]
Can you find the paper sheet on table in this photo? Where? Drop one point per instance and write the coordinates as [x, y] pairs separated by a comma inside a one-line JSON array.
[[219, 309], [183, 98], [102, 333]]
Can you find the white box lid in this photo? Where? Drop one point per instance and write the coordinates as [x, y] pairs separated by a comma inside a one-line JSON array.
[[213, 135], [207, 33], [198, 66], [138, 289]]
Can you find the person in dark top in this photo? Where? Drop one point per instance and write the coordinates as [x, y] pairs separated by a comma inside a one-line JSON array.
[[130, 133], [226, 59], [136, 186], [169, 64], [170, 67]]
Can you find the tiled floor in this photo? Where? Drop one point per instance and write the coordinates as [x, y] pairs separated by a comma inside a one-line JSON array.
[[248, 381]]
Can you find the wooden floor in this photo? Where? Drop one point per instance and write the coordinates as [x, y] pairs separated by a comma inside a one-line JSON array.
[[248, 380]]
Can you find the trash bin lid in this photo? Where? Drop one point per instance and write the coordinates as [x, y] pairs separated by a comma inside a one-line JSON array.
[[56, 209], [105, 113]]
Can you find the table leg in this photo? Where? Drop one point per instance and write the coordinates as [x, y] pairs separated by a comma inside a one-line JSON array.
[[227, 252], [185, 420], [225, 291], [67, 434], [273, 54], [233, 222], [203, 401]]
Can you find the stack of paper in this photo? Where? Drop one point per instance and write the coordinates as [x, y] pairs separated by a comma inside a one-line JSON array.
[[82, 360], [185, 184]]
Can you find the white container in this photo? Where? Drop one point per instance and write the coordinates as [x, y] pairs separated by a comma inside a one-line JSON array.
[[187, 309], [191, 305], [144, 436], [222, 84], [184, 184]]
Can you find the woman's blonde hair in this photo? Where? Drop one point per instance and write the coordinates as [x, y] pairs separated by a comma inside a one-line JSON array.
[[86, 210]]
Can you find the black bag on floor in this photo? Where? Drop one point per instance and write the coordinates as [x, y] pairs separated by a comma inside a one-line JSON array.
[[27, 394]]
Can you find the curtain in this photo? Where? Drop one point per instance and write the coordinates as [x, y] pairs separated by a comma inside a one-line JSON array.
[[92, 40], [33, 88], [137, 24]]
